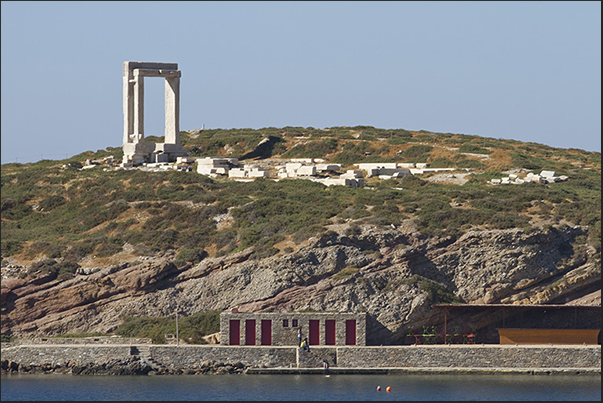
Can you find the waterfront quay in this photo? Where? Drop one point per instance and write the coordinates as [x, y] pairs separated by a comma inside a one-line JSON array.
[[448, 358]]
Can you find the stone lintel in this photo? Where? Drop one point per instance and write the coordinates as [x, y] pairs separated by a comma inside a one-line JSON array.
[[157, 73], [129, 66]]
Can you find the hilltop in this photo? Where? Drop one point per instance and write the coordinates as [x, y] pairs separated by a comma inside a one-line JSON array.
[[83, 249]]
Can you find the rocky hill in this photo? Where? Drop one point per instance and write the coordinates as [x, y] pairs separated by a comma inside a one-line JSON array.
[[81, 250]]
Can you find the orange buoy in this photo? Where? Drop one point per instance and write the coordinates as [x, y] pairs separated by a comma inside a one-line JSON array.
[[388, 389], [378, 388]]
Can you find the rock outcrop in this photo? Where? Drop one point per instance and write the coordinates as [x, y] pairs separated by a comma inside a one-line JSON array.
[[391, 275]]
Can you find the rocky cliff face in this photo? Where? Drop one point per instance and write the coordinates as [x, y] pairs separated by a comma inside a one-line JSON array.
[[394, 276]]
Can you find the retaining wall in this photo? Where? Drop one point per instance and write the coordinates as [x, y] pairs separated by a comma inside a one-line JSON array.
[[86, 340], [191, 357], [463, 356], [61, 355]]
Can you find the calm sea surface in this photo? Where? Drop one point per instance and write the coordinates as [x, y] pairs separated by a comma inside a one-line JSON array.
[[302, 387]]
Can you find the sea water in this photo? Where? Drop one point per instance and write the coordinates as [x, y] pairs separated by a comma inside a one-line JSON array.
[[301, 387]]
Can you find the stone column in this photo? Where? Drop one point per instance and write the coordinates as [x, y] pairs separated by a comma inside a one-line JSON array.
[[128, 98], [172, 110], [128, 108], [138, 126]]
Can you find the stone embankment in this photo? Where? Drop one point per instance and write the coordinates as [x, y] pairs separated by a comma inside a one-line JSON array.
[[205, 359]]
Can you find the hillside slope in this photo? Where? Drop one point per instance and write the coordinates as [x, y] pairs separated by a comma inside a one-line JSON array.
[[83, 249]]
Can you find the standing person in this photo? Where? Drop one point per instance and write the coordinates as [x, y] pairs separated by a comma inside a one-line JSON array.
[[299, 337]]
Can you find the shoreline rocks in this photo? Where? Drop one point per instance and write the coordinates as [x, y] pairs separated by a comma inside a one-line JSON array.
[[133, 366]]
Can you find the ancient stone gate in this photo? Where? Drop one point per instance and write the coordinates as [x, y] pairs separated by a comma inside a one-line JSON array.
[[135, 150]]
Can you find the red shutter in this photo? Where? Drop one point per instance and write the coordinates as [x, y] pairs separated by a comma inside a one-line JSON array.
[[330, 332], [350, 332], [235, 332], [250, 332], [266, 332], [314, 332]]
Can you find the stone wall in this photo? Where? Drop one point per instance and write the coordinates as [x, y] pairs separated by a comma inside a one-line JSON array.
[[463, 356], [85, 340], [62, 355], [190, 357], [315, 357]]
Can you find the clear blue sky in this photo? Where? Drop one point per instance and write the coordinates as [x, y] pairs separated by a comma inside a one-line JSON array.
[[529, 71]]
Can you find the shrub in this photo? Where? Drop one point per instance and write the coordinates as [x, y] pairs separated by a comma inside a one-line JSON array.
[[191, 328], [263, 251], [442, 163], [51, 202], [412, 181], [439, 294], [398, 141], [388, 213], [161, 240], [66, 270], [417, 151], [346, 273], [305, 233], [469, 163], [473, 149], [225, 237], [193, 256], [521, 160], [110, 247], [55, 251], [312, 149], [5, 338], [77, 252], [45, 267]]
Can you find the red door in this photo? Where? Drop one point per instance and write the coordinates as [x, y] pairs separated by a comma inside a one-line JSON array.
[[314, 332], [266, 332], [250, 332], [350, 332], [330, 332], [235, 332]]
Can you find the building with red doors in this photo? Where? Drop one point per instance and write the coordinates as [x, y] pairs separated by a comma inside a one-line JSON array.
[[281, 329]]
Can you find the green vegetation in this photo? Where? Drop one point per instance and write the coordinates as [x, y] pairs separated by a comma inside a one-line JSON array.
[[438, 293], [473, 149], [53, 269], [58, 216], [418, 153], [5, 338], [346, 273], [190, 328], [315, 149]]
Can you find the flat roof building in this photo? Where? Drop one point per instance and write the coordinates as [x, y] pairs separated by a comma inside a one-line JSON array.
[[281, 329]]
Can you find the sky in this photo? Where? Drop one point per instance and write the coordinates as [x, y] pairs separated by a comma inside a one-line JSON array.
[[527, 71]]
